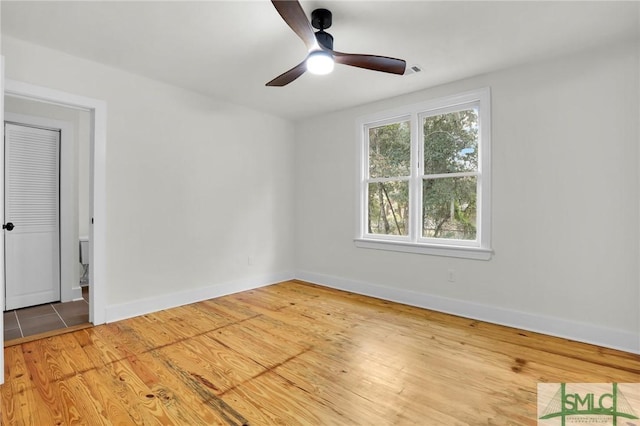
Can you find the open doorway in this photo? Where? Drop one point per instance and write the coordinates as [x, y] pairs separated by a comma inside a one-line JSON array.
[[66, 304], [97, 185]]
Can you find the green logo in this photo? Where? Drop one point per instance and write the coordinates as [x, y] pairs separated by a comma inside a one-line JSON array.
[[588, 403]]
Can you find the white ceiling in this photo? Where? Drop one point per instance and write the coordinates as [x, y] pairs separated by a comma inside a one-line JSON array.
[[230, 49]]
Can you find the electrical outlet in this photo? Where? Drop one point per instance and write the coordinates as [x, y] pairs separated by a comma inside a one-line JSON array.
[[451, 276], [250, 260]]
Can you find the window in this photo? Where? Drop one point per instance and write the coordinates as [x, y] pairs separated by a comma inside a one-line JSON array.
[[424, 184]]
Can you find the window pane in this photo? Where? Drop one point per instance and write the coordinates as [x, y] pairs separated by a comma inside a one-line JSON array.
[[390, 150], [388, 208], [451, 142], [449, 208]]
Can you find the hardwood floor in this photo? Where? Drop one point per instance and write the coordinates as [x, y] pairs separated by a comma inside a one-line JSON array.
[[295, 354]]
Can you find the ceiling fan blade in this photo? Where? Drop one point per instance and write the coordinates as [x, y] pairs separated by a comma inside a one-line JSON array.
[[288, 76], [371, 62], [294, 16]]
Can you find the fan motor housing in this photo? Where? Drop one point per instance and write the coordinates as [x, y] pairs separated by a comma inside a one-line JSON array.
[[321, 19]]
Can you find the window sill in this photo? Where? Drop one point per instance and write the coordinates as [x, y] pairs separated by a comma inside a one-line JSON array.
[[475, 253]]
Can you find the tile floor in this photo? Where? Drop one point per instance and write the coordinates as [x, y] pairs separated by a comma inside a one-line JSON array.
[[42, 318]]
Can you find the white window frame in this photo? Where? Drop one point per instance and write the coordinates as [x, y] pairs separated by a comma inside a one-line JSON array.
[[480, 248]]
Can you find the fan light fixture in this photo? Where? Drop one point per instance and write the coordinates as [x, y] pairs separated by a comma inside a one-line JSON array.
[[320, 62], [321, 56]]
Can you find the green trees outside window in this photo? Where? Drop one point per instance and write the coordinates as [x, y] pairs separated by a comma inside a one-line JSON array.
[[389, 159], [450, 148], [449, 182], [425, 177]]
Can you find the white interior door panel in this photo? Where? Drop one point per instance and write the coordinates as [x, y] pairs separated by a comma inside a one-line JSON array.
[[32, 236]]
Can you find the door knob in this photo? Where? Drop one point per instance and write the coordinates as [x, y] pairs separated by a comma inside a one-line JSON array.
[[8, 226]]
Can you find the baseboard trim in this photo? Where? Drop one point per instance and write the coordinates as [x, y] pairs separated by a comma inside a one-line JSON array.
[[573, 330], [148, 305]]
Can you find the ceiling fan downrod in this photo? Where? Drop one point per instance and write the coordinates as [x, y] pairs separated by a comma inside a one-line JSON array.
[[321, 20]]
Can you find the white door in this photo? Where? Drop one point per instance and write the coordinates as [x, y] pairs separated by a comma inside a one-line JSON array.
[[2, 287], [31, 221]]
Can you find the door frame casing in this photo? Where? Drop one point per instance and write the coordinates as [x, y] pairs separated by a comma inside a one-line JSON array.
[[69, 274], [97, 186]]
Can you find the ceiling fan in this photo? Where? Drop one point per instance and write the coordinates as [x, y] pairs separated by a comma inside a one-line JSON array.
[[321, 57]]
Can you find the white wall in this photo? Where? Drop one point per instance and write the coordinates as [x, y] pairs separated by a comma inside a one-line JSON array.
[[565, 204], [194, 186]]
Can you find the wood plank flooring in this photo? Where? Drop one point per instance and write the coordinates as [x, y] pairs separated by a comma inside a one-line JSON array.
[[295, 354]]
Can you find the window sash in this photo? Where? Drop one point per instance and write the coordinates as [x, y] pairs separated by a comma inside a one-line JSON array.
[[380, 123], [454, 241], [394, 223]]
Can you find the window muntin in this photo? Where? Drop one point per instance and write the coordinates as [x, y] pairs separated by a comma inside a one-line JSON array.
[[425, 182]]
